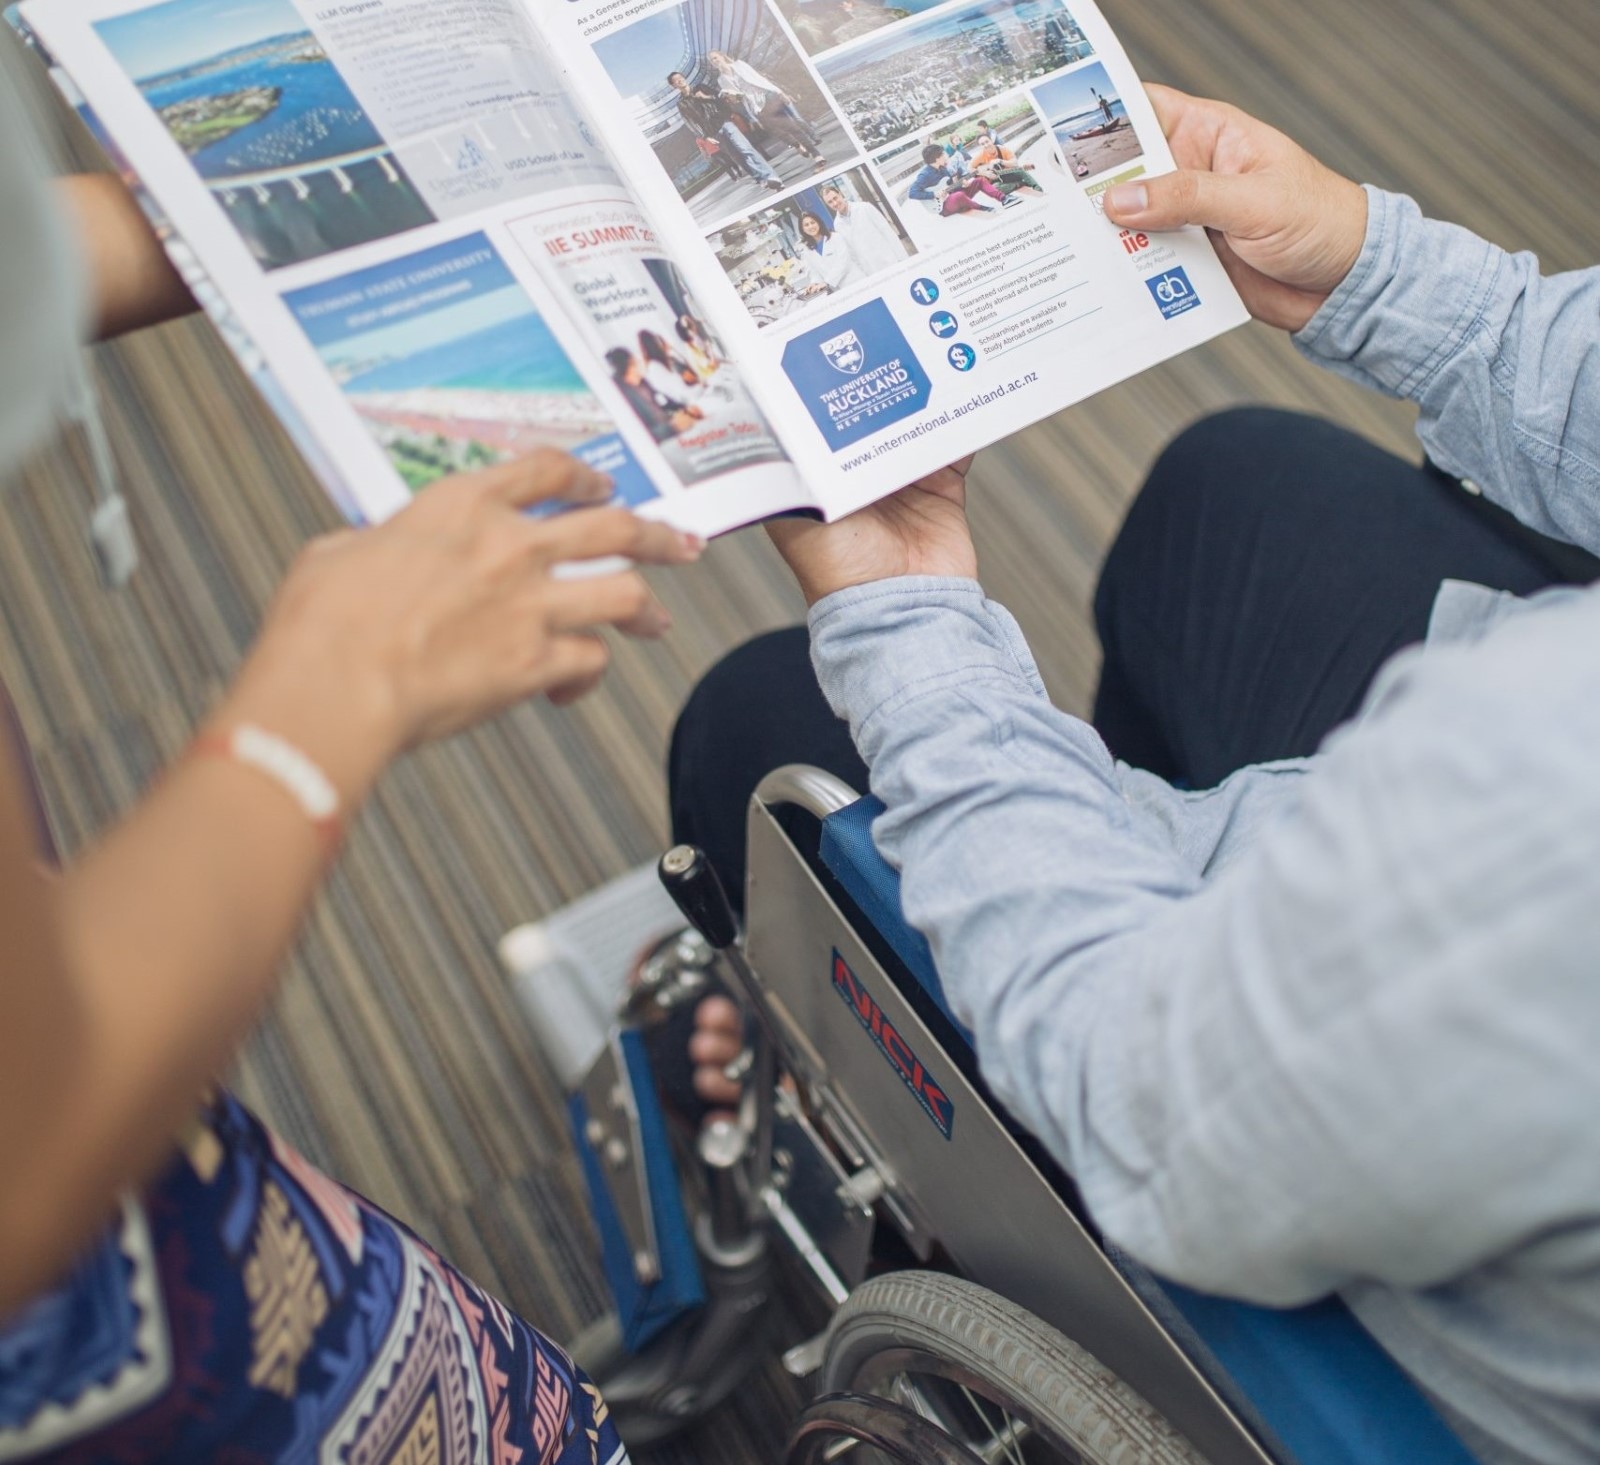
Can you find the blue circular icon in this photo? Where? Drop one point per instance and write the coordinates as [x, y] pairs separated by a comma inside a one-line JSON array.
[[943, 324], [924, 291], [962, 356]]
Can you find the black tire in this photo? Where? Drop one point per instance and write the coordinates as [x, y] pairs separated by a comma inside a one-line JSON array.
[[928, 1325]]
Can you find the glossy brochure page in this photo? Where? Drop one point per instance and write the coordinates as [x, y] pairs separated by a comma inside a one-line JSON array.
[[374, 191], [894, 212]]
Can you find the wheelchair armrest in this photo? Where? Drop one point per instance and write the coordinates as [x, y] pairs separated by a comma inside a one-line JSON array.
[[874, 885]]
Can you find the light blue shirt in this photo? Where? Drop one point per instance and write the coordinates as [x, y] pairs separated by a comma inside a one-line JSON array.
[[1334, 1026]]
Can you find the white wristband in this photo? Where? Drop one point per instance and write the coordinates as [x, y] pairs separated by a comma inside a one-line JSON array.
[[285, 765]]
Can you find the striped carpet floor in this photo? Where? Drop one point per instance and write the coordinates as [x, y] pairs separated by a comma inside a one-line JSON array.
[[393, 1055]]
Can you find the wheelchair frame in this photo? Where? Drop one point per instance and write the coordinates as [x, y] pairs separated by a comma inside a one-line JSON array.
[[860, 1112], [926, 1143]]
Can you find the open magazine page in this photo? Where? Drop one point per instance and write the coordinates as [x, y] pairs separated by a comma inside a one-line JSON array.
[[894, 211], [362, 190]]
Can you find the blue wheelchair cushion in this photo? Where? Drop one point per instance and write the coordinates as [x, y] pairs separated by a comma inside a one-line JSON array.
[[1312, 1377]]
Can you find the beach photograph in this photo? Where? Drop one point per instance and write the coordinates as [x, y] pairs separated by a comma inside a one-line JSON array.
[[264, 117], [1091, 125], [726, 103], [914, 76], [447, 362]]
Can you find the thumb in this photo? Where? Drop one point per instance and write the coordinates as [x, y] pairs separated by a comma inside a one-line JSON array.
[[1231, 203]]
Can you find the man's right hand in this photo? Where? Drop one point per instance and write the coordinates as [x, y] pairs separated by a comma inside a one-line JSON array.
[[1288, 229]]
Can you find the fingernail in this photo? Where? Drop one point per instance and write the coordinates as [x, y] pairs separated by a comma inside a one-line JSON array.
[[1128, 198], [663, 620], [693, 546], [597, 485]]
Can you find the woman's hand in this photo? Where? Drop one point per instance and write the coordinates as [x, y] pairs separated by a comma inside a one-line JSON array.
[[922, 530], [386, 637], [1288, 229]]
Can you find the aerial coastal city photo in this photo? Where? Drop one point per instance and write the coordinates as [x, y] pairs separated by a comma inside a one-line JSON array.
[[269, 124], [916, 74]]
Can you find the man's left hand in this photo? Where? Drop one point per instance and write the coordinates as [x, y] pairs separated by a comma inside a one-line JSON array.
[[922, 530]]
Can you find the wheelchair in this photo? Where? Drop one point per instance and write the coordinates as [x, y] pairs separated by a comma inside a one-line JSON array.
[[976, 1315]]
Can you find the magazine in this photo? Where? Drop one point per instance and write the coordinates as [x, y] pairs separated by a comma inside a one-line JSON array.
[[745, 256]]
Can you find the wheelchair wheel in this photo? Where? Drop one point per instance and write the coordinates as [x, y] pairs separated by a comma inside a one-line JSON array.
[[992, 1376]]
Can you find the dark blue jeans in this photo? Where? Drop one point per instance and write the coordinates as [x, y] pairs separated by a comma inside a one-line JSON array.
[[1271, 564]]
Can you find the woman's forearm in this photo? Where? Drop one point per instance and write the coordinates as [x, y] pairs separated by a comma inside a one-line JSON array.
[[132, 280], [153, 956]]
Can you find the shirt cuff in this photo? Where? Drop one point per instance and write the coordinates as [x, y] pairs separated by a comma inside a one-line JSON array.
[[881, 646], [1410, 304], [1327, 334]]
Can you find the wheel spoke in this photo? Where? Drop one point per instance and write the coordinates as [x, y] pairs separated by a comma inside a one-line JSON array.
[[1004, 1442], [996, 1444], [934, 1405]]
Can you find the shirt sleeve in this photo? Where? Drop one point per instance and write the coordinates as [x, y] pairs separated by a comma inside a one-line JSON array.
[[1272, 1073], [1504, 362]]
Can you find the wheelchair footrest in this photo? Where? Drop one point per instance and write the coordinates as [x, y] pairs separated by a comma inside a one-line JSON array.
[[647, 1250]]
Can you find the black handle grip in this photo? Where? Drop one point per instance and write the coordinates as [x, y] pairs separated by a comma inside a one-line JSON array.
[[695, 887]]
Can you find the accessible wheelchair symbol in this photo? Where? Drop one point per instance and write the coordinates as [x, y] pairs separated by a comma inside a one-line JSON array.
[[1173, 293]]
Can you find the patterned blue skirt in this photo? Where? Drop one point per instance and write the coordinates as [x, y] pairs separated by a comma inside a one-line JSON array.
[[245, 1308]]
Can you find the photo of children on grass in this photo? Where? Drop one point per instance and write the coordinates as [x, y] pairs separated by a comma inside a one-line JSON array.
[[946, 184]]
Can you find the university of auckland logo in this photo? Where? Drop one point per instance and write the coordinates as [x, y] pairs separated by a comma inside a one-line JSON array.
[[845, 353]]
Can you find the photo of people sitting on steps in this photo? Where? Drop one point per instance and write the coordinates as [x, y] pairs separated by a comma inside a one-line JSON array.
[[734, 122]]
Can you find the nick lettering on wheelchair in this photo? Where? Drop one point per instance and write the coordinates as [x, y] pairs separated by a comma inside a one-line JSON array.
[[934, 1100], [1302, 992]]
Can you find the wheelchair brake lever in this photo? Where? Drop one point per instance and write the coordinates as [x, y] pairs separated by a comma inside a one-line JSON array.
[[697, 891]]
